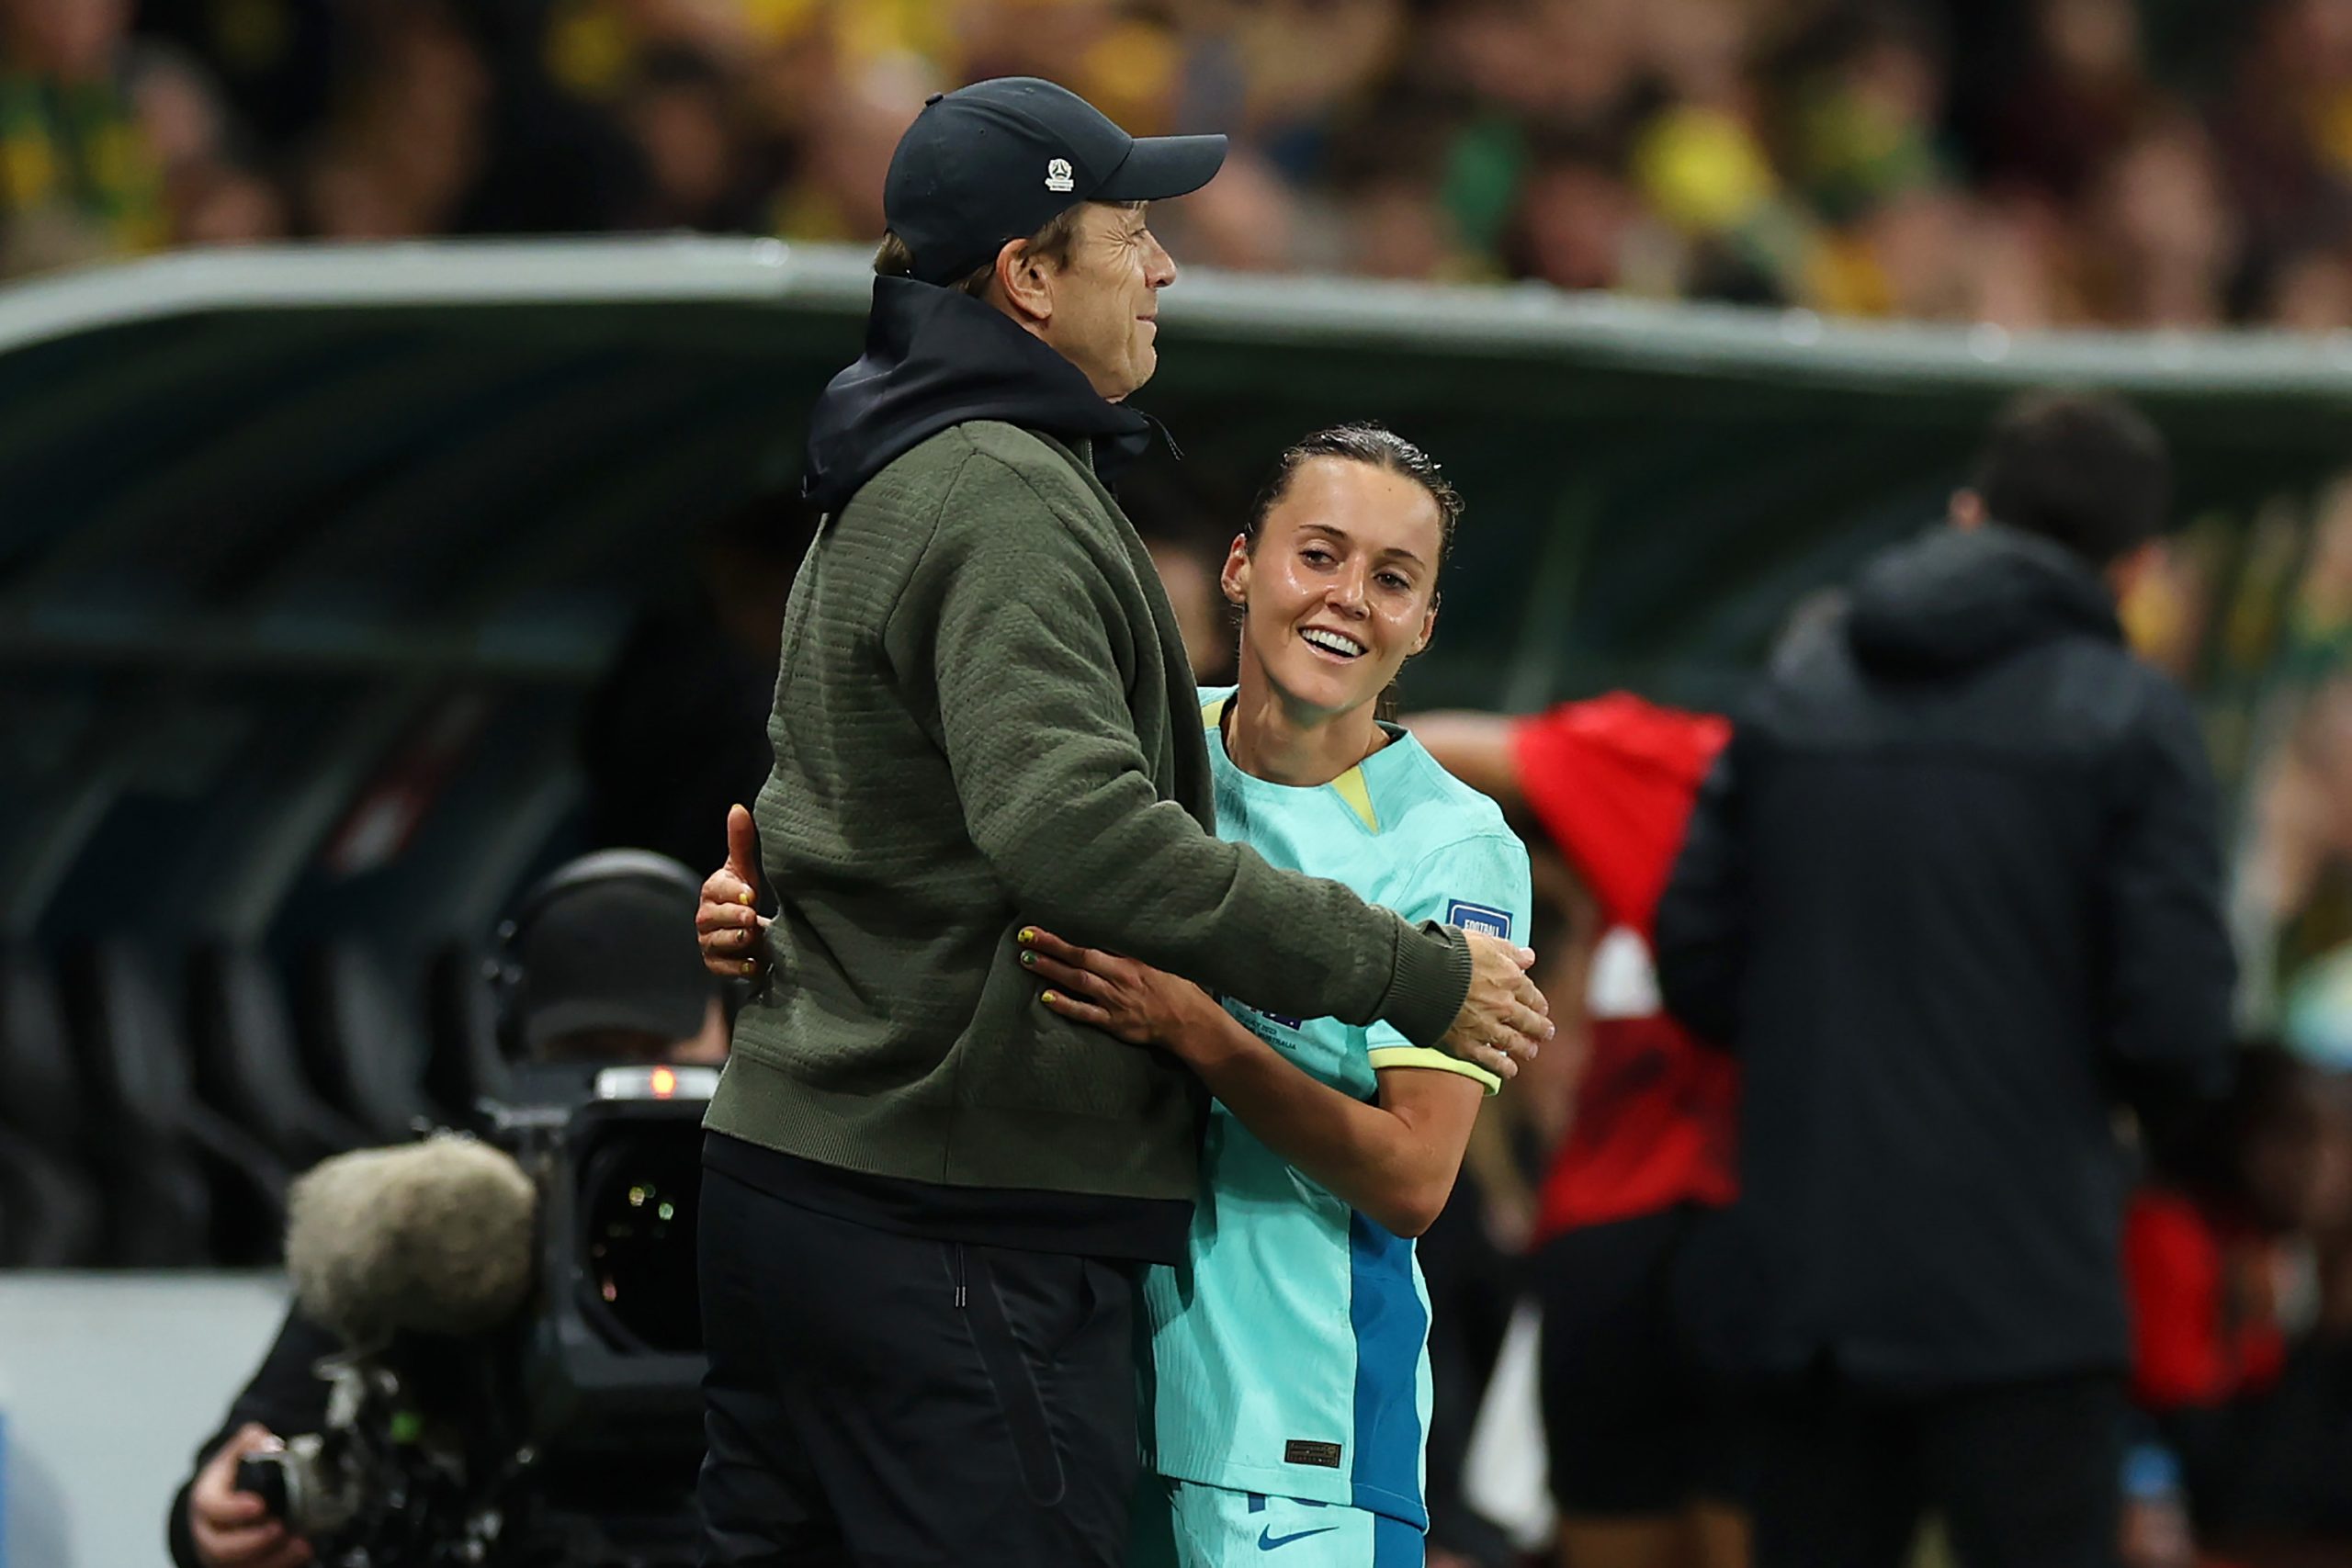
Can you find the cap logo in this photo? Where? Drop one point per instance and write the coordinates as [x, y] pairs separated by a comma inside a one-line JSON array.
[[1058, 177]]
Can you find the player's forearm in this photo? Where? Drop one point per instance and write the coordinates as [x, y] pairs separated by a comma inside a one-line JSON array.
[[1368, 1156]]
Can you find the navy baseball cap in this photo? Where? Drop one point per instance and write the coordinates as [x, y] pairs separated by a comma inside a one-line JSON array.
[[998, 159]]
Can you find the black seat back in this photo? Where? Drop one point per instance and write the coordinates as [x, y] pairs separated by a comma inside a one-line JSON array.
[[184, 1185], [44, 1100], [158, 1203], [247, 1064], [464, 1067], [362, 1041], [49, 1214], [52, 1215]]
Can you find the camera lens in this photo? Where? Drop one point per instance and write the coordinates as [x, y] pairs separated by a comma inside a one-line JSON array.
[[639, 1194]]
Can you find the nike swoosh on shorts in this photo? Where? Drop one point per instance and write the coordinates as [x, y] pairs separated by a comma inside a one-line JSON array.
[[1267, 1539]]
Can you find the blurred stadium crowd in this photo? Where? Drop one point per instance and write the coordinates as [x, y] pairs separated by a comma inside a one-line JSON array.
[[2133, 162]]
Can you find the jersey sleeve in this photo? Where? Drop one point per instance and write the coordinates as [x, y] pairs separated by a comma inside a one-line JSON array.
[[1480, 885]]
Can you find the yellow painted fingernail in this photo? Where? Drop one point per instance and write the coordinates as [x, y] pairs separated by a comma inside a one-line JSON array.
[[1028, 935], [1051, 998], [746, 896], [751, 967]]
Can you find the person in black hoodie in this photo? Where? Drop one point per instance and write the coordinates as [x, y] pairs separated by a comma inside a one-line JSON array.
[[1952, 893]]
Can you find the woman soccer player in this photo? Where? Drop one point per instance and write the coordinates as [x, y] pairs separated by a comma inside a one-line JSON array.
[[1292, 1395]]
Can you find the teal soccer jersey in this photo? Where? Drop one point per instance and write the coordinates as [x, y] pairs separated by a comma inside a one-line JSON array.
[[1290, 1351]]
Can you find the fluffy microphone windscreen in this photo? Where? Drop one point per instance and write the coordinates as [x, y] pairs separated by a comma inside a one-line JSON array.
[[432, 1238]]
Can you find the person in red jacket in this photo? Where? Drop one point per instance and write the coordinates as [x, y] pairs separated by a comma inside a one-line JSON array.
[[1643, 1455]]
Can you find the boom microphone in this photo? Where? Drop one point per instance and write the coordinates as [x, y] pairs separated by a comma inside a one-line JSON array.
[[428, 1238]]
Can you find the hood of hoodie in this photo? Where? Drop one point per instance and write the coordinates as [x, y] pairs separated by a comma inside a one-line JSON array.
[[935, 357], [1957, 598]]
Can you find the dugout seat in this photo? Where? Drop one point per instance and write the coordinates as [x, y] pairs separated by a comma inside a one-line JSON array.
[[361, 1042], [46, 1219], [184, 1185], [248, 1066], [51, 1213], [464, 1065]]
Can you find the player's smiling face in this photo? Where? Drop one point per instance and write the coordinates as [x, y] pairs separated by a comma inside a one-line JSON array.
[[1339, 587]]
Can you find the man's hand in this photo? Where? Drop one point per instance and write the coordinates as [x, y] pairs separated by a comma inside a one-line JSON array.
[[728, 925], [1125, 1000], [1505, 1017], [230, 1528]]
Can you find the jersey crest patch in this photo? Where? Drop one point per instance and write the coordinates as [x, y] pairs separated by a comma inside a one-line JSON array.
[[1478, 918]]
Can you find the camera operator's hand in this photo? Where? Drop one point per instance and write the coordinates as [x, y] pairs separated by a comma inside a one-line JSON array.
[[1505, 1017], [728, 925], [230, 1529]]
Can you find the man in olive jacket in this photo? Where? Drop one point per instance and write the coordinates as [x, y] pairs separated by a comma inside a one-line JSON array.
[[925, 1193]]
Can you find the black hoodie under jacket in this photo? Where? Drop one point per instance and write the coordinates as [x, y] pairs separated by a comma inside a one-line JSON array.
[[935, 357]]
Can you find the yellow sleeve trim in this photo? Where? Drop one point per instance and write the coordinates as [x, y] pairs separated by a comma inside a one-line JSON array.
[[1435, 1061], [1213, 713]]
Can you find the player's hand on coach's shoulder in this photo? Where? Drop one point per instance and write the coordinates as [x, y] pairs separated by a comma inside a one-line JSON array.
[[728, 925], [1505, 1019], [232, 1528]]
